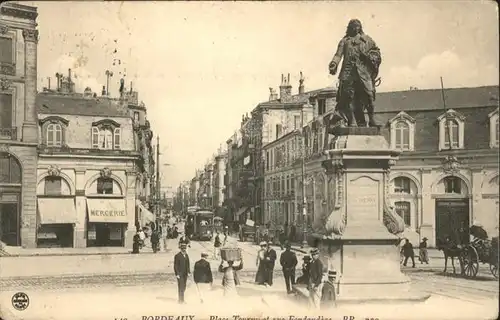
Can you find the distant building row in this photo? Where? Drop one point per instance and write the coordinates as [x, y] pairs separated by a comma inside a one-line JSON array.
[[446, 178]]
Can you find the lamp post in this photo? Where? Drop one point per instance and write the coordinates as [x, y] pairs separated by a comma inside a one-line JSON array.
[[304, 199]]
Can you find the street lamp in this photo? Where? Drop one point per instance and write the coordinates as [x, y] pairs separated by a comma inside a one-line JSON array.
[[304, 200]]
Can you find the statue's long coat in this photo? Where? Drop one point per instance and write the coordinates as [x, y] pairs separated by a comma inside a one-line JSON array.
[[361, 60]]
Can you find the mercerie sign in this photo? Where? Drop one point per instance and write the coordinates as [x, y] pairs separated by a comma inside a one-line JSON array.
[[107, 213]]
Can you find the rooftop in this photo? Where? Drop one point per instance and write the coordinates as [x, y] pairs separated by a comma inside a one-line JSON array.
[[77, 105]]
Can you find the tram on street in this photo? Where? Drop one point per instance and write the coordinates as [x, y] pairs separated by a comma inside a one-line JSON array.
[[201, 225]]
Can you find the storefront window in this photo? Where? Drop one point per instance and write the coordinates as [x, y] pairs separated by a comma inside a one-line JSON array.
[[105, 186]]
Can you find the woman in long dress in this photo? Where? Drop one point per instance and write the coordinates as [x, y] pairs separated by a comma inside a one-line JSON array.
[[260, 277], [230, 278]]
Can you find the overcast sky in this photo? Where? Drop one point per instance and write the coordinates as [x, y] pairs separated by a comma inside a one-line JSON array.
[[199, 66]]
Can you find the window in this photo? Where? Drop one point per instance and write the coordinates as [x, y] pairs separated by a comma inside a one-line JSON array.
[[104, 185], [10, 170], [451, 130], [54, 135], [451, 134], [53, 185], [321, 107], [287, 184], [6, 51], [402, 128], [403, 210], [5, 111], [453, 185], [279, 128], [136, 116], [267, 160], [494, 130], [106, 138], [402, 135], [296, 122], [402, 185]]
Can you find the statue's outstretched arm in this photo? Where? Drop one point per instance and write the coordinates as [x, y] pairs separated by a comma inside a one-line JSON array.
[[337, 57]]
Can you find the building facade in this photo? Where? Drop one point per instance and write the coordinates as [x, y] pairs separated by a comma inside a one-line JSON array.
[[18, 124], [447, 175], [90, 171]]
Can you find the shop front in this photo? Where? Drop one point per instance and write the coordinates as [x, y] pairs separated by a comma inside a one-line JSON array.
[[56, 222], [107, 222]]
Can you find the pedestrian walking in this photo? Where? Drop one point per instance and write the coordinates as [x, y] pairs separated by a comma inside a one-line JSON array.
[[136, 244], [142, 237], [260, 276], [182, 271], [165, 240], [217, 245], [226, 234], [315, 279], [282, 238], [202, 275], [230, 277], [270, 259], [288, 261], [155, 241], [408, 253], [422, 251], [328, 294], [184, 240]]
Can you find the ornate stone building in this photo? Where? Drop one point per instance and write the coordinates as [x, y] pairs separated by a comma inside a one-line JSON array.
[[92, 168], [18, 124], [447, 175]]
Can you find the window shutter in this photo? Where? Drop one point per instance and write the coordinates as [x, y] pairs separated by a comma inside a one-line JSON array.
[[95, 138], [117, 139]]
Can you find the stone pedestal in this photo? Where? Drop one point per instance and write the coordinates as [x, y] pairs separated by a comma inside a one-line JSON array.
[[360, 236]]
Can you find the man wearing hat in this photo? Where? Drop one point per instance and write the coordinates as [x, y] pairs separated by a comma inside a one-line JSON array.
[[181, 270], [304, 278], [270, 259], [328, 295], [288, 261], [202, 275], [422, 251], [315, 279]]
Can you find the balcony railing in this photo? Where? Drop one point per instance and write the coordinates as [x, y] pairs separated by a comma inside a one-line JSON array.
[[8, 133]]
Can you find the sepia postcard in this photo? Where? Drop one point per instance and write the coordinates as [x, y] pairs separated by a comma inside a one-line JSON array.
[[249, 160]]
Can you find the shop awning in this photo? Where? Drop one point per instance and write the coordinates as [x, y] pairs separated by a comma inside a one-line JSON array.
[[146, 215], [56, 210], [107, 210], [242, 210]]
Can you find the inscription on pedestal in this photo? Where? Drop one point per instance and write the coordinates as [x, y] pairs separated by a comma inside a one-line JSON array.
[[363, 200]]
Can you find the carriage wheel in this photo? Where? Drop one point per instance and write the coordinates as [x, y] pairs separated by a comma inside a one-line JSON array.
[[470, 263], [494, 270]]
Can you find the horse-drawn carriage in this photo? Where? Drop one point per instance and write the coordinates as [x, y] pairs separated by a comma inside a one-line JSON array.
[[481, 249]]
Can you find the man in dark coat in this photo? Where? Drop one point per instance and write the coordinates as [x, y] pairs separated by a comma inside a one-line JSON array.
[[408, 253], [315, 279], [181, 270], [270, 259], [288, 261], [155, 241], [304, 278], [202, 275]]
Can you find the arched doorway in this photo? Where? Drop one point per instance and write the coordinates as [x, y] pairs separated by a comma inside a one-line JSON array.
[[452, 209], [10, 199]]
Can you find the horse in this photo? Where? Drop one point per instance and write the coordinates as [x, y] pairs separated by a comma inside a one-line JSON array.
[[450, 250]]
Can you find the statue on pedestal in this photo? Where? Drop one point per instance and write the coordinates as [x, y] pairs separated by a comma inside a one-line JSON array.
[[358, 76]]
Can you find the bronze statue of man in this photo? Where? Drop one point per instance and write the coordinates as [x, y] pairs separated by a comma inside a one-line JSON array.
[[358, 76]]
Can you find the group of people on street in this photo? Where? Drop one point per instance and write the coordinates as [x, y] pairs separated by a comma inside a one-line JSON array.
[[408, 253], [202, 274]]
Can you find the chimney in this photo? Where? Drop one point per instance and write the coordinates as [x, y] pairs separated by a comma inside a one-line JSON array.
[[301, 84], [122, 87], [71, 84], [59, 79], [285, 89], [103, 91]]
